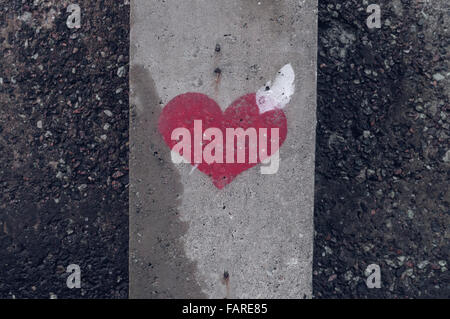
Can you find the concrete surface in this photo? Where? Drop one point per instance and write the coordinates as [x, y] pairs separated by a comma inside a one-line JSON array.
[[184, 232]]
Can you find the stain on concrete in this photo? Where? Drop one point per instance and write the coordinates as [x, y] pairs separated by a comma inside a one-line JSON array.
[[263, 238], [159, 267]]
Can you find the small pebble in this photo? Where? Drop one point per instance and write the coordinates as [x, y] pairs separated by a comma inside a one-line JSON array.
[[121, 71], [438, 77]]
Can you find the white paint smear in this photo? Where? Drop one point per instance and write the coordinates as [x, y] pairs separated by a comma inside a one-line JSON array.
[[177, 158], [277, 95], [193, 169]]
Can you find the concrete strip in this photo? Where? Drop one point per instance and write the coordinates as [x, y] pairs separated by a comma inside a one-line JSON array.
[[184, 232]]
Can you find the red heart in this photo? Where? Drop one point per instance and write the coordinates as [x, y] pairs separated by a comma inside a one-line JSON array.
[[243, 113]]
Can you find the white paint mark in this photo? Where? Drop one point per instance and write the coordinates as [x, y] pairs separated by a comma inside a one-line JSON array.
[[277, 95], [177, 158], [193, 169]]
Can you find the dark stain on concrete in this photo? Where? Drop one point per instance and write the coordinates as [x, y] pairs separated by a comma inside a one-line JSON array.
[[159, 267]]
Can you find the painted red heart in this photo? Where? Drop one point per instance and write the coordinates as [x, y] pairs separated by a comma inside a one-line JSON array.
[[243, 113]]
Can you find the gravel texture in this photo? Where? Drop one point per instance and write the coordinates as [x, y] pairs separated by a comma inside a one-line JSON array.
[[382, 160], [64, 149]]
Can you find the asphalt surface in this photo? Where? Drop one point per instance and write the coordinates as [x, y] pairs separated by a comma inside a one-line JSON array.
[[64, 149], [382, 192], [382, 158]]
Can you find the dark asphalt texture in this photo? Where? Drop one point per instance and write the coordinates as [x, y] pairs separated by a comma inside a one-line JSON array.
[[64, 187], [382, 184]]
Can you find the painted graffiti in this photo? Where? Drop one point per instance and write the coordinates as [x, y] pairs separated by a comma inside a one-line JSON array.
[[224, 144]]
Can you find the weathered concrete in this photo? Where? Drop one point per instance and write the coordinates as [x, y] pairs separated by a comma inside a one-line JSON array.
[[184, 232]]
